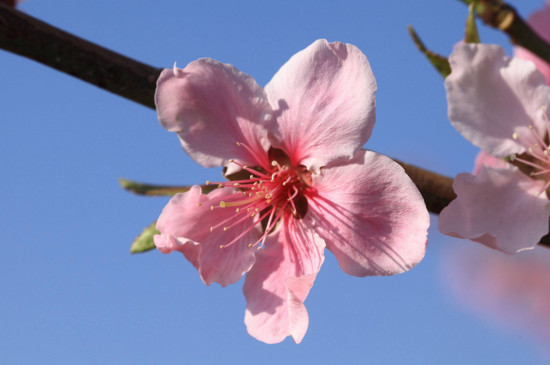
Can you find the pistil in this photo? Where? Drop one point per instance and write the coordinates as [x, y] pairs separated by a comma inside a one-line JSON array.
[[265, 197]]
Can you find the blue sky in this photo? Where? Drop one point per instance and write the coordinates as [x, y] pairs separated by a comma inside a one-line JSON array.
[[72, 293]]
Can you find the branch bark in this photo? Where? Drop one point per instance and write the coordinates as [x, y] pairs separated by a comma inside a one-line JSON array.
[[29, 37], [500, 15]]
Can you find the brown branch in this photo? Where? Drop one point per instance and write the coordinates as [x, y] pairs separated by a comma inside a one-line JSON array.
[[34, 39], [29, 37], [499, 15], [437, 190]]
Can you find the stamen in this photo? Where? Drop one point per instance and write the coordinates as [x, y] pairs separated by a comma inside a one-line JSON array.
[[527, 162]]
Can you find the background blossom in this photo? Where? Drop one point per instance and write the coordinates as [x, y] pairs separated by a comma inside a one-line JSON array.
[[499, 104], [511, 291]]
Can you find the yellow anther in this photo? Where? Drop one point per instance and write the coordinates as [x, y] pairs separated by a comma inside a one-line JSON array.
[[211, 207], [515, 135], [236, 184], [273, 163], [530, 127], [211, 229], [200, 205], [222, 204], [224, 229], [268, 196], [207, 182], [220, 185], [222, 246], [237, 210], [239, 144]]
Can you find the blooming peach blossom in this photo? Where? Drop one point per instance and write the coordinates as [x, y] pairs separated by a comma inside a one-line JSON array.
[[540, 22], [298, 182], [499, 104]]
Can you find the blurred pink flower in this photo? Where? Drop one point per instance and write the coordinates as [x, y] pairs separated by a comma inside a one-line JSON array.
[[512, 291], [499, 104], [540, 22], [300, 181]]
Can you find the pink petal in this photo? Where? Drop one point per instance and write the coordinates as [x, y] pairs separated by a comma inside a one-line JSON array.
[[485, 159], [185, 227], [324, 97], [371, 216], [212, 106], [491, 96], [540, 22], [277, 285], [499, 208]]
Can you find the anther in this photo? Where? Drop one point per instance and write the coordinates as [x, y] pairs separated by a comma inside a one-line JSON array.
[[222, 204]]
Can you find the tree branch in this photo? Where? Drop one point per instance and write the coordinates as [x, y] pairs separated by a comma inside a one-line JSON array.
[[29, 37], [499, 15]]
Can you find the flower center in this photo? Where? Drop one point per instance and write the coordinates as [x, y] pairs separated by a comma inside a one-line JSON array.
[[266, 194], [535, 161]]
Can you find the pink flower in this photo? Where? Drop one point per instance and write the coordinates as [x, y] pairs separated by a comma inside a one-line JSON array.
[[300, 182], [499, 104], [512, 291], [540, 22]]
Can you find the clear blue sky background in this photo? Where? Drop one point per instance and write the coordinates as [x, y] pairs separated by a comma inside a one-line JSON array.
[[70, 291]]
